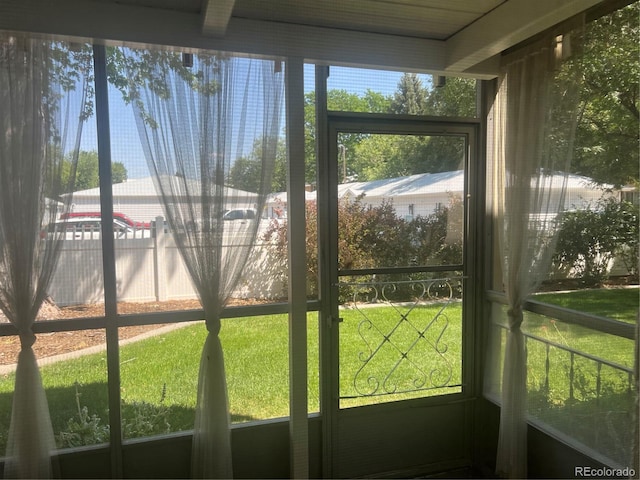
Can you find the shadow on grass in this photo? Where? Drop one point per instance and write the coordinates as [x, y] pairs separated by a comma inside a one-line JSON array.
[[80, 416]]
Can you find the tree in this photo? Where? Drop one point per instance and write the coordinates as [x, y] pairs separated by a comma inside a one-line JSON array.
[[245, 174], [87, 171], [456, 98], [608, 132], [341, 101], [411, 96], [385, 156], [86, 175], [118, 173]]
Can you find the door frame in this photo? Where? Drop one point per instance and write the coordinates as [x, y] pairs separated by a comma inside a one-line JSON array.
[[327, 130]]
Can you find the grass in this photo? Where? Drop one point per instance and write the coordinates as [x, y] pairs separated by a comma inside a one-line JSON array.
[[159, 374], [596, 407], [617, 303], [371, 368]]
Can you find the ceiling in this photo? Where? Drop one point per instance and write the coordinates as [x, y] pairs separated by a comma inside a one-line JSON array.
[[431, 19], [438, 36]]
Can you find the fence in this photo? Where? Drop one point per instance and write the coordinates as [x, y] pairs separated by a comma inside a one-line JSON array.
[[150, 269]]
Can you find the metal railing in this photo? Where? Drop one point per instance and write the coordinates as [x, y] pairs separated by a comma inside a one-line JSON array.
[[584, 398]]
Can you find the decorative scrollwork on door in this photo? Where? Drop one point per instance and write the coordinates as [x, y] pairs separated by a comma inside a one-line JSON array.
[[403, 347]]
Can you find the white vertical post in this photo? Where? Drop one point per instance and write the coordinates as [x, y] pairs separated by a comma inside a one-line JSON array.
[[159, 260], [298, 405]]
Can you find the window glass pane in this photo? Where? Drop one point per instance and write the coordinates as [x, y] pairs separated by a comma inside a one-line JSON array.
[[72, 363], [580, 381], [257, 364], [159, 373], [380, 91], [149, 267], [76, 289], [400, 337], [159, 378], [598, 240], [73, 369], [313, 359], [407, 207]]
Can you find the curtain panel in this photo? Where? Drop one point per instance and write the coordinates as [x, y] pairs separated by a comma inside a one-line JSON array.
[[535, 116], [44, 99], [196, 116]]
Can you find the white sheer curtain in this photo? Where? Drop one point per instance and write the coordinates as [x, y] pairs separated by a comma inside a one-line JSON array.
[[43, 98], [535, 114], [194, 123]]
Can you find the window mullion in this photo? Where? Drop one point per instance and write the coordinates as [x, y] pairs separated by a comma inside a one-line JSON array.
[[108, 258]]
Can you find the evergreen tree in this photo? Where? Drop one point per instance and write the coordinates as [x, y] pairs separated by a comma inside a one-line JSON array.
[[411, 96]]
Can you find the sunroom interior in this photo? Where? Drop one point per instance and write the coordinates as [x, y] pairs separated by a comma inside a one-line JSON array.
[[350, 248]]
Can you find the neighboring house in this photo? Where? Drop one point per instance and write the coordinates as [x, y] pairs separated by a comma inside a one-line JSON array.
[[137, 198], [422, 194]]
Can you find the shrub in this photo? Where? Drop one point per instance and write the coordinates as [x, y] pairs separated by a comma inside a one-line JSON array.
[[590, 239], [375, 236], [84, 429], [140, 419]]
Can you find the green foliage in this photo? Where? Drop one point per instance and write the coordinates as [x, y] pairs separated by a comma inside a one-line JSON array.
[[382, 156], [84, 429], [139, 419], [118, 173], [617, 303], [589, 239], [457, 98], [86, 173], [246, 172], [70, 63], [608, 132], [340, 101], [410, 97], [143, 419], [372, 237], [388, 156], [130, 69], [574, 394], [256, 359], [437, 238]]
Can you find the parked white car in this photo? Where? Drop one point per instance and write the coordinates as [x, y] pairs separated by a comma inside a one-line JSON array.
[[240, 214]]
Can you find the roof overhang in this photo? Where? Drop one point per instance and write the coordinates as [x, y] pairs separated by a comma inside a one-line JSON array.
[[472, 52]]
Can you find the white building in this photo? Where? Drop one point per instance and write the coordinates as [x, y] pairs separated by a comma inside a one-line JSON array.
[[422, 194], [137, 198]]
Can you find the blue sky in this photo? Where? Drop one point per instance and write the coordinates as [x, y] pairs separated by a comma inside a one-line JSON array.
[[125, 146]]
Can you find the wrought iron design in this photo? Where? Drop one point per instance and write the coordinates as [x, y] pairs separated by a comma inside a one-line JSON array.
[[405, 353]]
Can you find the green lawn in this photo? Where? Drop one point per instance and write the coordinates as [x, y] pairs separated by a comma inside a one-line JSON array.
[[617, 303], [159, 374], [423, 352], [596, 406]]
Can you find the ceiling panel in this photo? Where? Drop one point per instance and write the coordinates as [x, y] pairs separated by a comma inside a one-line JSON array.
[[429, 19], [462, 37], [423, 19]]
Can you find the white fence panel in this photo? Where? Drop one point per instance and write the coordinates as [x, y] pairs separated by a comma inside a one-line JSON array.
[[78, 277], [151, 269]]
